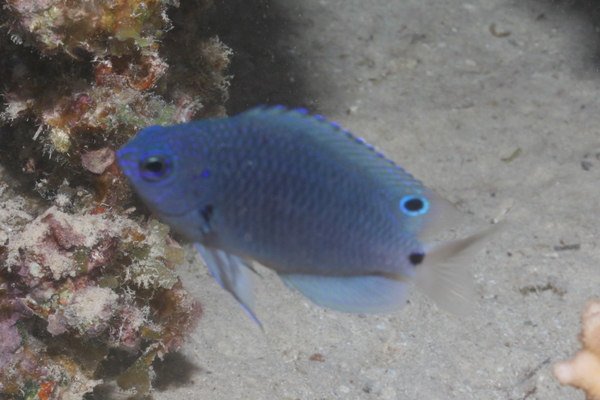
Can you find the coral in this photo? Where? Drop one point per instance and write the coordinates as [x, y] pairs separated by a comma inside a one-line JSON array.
[[102, 79], [114, 27], [90, 283], [82, 276], [583, 370]]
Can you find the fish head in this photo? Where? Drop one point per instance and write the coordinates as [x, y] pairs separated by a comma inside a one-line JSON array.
[[156, 163]]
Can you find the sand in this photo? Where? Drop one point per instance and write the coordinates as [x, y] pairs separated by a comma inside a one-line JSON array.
[[493, 104]]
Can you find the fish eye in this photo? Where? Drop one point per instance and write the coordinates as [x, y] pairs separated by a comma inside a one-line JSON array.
[[414, 205], [156, 167]]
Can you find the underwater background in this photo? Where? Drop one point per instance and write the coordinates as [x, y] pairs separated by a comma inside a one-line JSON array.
[[491, 103]]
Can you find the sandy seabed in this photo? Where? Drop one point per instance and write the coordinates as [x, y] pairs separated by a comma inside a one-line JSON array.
[[493, 104]]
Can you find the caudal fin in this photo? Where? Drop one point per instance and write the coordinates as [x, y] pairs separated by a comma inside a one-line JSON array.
[[445, 275]]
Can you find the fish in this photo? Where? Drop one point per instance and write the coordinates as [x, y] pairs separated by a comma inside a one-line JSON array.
[[336, 219]]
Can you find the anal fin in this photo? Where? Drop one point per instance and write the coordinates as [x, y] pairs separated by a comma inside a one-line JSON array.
[[365, 294]]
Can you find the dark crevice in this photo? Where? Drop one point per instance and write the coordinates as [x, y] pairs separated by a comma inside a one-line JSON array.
[[263, 71], [586, 11]]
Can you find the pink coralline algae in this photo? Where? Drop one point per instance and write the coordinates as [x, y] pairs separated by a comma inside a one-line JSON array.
[[11, 340], [98, 161]]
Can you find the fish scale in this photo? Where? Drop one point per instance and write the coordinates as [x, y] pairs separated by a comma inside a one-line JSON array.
[[317, 233], [335, 218], [311, 188]]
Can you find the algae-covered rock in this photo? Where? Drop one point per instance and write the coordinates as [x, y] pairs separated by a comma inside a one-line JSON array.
[[86, 280], [97, 76], [82, 274]]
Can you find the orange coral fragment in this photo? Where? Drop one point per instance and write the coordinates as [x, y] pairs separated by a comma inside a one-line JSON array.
[[583, 370], [46, 390], [99, 210]]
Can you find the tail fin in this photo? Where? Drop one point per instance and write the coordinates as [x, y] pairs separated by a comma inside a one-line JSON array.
[[445, 275]]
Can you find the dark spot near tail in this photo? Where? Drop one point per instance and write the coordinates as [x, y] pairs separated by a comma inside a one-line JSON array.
[[416, 258]]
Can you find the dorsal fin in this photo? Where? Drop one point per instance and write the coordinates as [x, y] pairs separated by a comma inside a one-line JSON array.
[[332, 128]]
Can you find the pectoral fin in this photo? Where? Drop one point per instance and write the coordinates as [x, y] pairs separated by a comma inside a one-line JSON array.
[[233, 274], [367, 294]]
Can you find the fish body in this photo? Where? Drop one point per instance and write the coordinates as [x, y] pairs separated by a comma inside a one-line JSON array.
[[332, 216]]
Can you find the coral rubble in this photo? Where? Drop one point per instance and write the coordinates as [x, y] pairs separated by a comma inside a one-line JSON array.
[[84, 76], [583, 370], [90, 283], [81, 275]]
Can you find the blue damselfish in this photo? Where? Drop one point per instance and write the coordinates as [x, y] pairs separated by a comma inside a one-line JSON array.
[[333, 217]]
